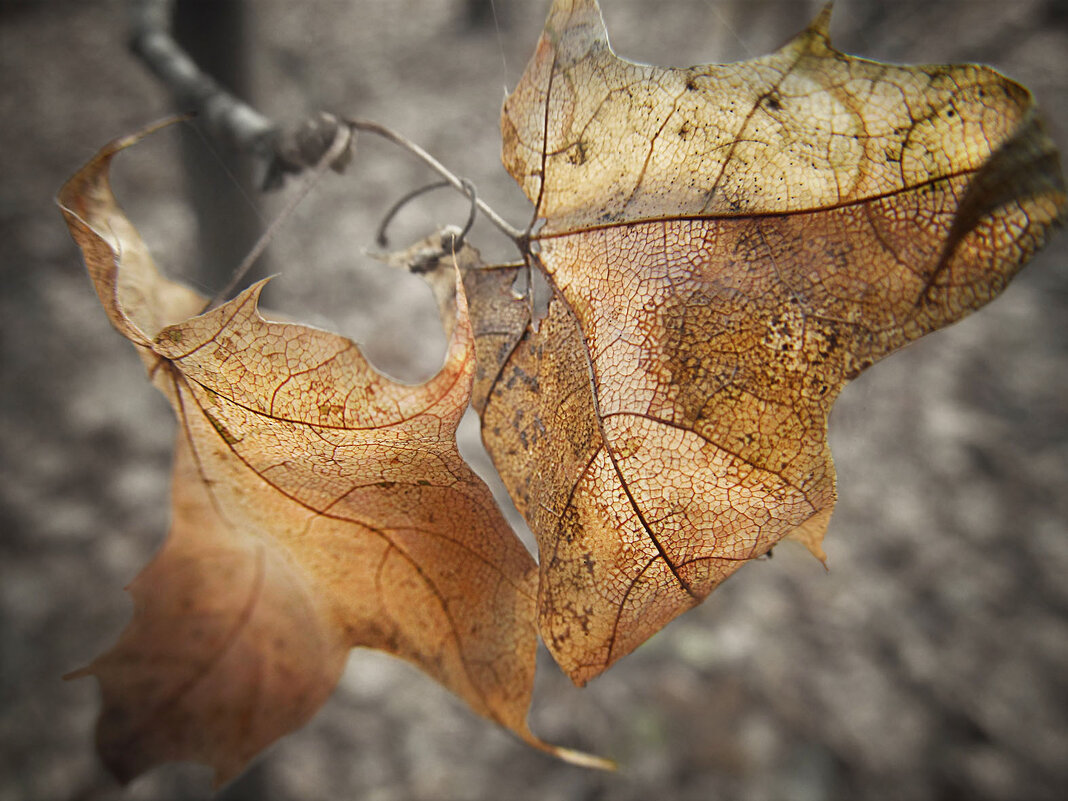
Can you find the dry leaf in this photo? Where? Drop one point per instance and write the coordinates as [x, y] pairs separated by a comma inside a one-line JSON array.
[[317, 506], [725, 246]]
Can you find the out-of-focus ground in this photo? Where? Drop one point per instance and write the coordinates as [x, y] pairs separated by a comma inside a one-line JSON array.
[[930, 662]]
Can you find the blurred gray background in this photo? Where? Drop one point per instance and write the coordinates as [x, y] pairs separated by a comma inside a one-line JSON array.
[[930, 662]]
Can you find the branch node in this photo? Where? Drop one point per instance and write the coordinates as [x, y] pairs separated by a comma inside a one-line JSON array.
[[304, 147]]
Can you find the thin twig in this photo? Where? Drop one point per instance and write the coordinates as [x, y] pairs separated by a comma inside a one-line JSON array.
[[380, 236], [471, 215], [228, 119], [469, 189], [343, 139], [238, 124], [502, 225]]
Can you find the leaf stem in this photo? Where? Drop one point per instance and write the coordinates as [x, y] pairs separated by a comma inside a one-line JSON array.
[[380, 237], [382, 240], [513, 233]]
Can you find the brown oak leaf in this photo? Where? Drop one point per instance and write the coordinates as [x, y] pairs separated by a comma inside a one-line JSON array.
[[725, 246], [317, 506]]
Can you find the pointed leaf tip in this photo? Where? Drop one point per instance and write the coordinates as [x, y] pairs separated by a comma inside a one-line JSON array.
[[817, 34], [583, 760], [576, 22], [811, 532], [575, 8], [821, 25]]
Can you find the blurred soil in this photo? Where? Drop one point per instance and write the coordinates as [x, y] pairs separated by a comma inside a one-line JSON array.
[[930, 662]]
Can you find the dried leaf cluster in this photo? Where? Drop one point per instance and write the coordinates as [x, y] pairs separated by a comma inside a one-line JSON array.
[[725, 246]]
